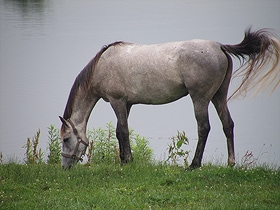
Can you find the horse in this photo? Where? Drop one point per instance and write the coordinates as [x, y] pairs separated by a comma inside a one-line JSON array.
[[126, 74]]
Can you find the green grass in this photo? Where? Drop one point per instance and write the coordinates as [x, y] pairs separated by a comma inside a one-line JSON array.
[[137, 186]]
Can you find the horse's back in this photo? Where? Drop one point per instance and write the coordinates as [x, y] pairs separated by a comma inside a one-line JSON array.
[[158, 56]]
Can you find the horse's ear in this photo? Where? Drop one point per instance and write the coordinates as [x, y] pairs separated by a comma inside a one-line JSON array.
[[64, 122]]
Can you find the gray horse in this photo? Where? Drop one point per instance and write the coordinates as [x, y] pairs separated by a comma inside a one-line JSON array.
[[125, 74]]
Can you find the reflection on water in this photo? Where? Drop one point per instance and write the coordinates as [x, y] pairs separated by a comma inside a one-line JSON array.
[[45, 43], [29, 15], [27, 8]]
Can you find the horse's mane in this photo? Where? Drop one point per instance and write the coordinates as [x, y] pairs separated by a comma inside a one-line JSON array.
[[83, 79]]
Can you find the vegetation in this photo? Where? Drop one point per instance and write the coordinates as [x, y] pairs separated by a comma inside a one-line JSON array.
[[54, 146], [176, 151], [103, 147], [33, 155], [137, 186], [103, 183]]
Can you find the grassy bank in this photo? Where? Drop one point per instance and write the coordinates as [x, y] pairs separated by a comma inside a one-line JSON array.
[[137, 186]]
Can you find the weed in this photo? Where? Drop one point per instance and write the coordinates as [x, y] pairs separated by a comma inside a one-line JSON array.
[[89, 152], [33, 155], [103, 146], [248, 160], [175, 151], [140, 147], [1, 157], [54, 145]]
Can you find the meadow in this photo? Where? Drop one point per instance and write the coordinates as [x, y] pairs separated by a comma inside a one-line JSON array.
[[137, 186], [103, 183]]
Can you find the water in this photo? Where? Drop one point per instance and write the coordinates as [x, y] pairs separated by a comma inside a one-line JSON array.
[[45, 44]]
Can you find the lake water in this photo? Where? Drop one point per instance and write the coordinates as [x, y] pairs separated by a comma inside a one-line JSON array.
[[45, 44]]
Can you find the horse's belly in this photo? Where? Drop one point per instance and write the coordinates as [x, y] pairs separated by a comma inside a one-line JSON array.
[[159, 92]]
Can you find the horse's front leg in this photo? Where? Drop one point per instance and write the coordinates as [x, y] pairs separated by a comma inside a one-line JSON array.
[[203, 126], [121, 110]]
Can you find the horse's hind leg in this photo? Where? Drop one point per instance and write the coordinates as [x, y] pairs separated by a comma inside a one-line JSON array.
[[220, 103], [203, 126], [121, 110]]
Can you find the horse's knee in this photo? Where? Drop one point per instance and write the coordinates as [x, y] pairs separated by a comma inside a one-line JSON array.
[[203, 130]]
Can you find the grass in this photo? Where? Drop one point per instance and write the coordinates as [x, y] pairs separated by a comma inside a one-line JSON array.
[[137, 186]]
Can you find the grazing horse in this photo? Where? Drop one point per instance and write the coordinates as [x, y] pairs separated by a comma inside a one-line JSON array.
[[125, 74]]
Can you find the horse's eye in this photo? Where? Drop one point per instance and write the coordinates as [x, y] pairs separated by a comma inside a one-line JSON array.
[[66, 139]]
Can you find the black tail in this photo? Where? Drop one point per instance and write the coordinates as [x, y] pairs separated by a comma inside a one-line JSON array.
[[259, 53]]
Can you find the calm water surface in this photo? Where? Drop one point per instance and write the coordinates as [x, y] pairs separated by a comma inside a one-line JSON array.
[[45, 44]]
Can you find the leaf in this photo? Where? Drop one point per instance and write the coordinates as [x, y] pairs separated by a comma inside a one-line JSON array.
[[180, 153], [180, 143]]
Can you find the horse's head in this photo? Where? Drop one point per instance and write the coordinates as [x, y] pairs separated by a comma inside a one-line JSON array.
[[73, 145]]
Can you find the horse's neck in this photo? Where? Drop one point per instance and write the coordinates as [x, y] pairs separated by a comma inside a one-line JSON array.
[[81, 111]]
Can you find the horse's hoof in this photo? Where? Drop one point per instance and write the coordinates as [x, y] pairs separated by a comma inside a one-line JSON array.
[[194, 166], [126, 161], [231, 164]]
